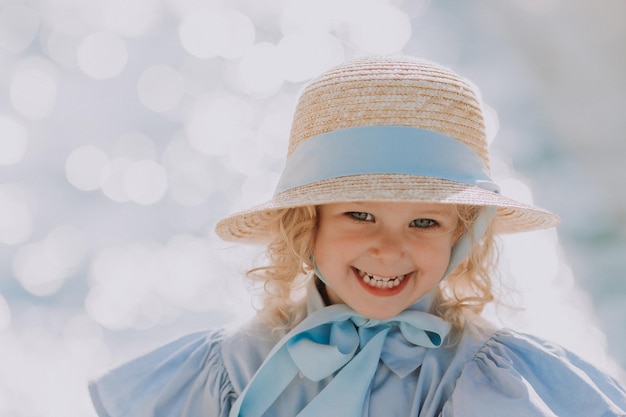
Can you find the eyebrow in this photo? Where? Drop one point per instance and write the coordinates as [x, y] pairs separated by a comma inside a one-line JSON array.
[[439, 212], [443, 211]]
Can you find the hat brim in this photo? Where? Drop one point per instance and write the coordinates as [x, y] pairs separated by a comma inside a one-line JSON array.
[[254, 225]]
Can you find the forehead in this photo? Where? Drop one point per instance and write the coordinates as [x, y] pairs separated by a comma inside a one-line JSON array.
[[394, 206]]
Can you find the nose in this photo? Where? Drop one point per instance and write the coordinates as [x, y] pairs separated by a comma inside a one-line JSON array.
[[387, 246]]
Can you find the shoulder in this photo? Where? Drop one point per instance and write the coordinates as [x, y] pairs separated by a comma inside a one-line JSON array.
[[244, 349], [196, 375], [529, 376]]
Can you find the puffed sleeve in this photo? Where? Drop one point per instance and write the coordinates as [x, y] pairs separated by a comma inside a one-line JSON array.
[[520, 375], [183, 378]]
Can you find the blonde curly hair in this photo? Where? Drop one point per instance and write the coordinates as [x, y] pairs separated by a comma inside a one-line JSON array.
[[466, 289]]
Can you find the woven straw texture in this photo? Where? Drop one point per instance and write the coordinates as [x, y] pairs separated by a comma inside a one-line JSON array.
[[399, 91]]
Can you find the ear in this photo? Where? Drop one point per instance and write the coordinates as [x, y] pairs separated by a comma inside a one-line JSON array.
[[466, 241], [309, 264], [458, 232]]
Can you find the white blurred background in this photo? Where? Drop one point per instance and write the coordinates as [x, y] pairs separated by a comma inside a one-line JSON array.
[[129, 127]]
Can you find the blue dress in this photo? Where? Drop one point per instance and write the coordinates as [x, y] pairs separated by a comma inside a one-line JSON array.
[[489, 372]]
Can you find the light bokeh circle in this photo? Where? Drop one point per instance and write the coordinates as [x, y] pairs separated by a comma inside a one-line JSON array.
[[102, 55]]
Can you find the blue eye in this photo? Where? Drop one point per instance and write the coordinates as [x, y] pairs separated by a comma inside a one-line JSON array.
[[360, 216], [424, 223]]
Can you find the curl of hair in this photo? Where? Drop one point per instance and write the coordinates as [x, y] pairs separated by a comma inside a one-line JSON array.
[[467, 289], [291, 244]]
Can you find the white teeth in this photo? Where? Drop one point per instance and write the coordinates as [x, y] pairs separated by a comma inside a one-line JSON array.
[[381, 282]]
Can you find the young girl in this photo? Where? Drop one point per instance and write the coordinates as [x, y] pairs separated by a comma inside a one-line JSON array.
[[385, 216]]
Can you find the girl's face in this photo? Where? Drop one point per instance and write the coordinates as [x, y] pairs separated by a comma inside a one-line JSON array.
[[381, 257]]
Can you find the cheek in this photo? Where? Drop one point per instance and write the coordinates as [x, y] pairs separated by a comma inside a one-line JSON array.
[[436, 253], [323, 246], [329, 244], [333, 250]]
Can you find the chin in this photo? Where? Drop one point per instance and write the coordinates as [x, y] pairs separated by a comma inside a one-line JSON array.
[[377, 314]]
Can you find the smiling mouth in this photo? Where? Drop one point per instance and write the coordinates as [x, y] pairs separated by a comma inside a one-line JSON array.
[[380, 282]]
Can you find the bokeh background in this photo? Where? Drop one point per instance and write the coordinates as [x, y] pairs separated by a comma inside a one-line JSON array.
[[129, 127]]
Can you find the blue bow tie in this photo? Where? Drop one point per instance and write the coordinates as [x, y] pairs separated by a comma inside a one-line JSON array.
[[338, 341]]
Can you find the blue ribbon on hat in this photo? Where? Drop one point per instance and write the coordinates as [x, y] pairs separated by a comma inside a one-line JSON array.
[[384, 150], [338, 341]]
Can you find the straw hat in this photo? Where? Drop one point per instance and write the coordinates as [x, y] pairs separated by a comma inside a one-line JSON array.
[[387, 129]]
